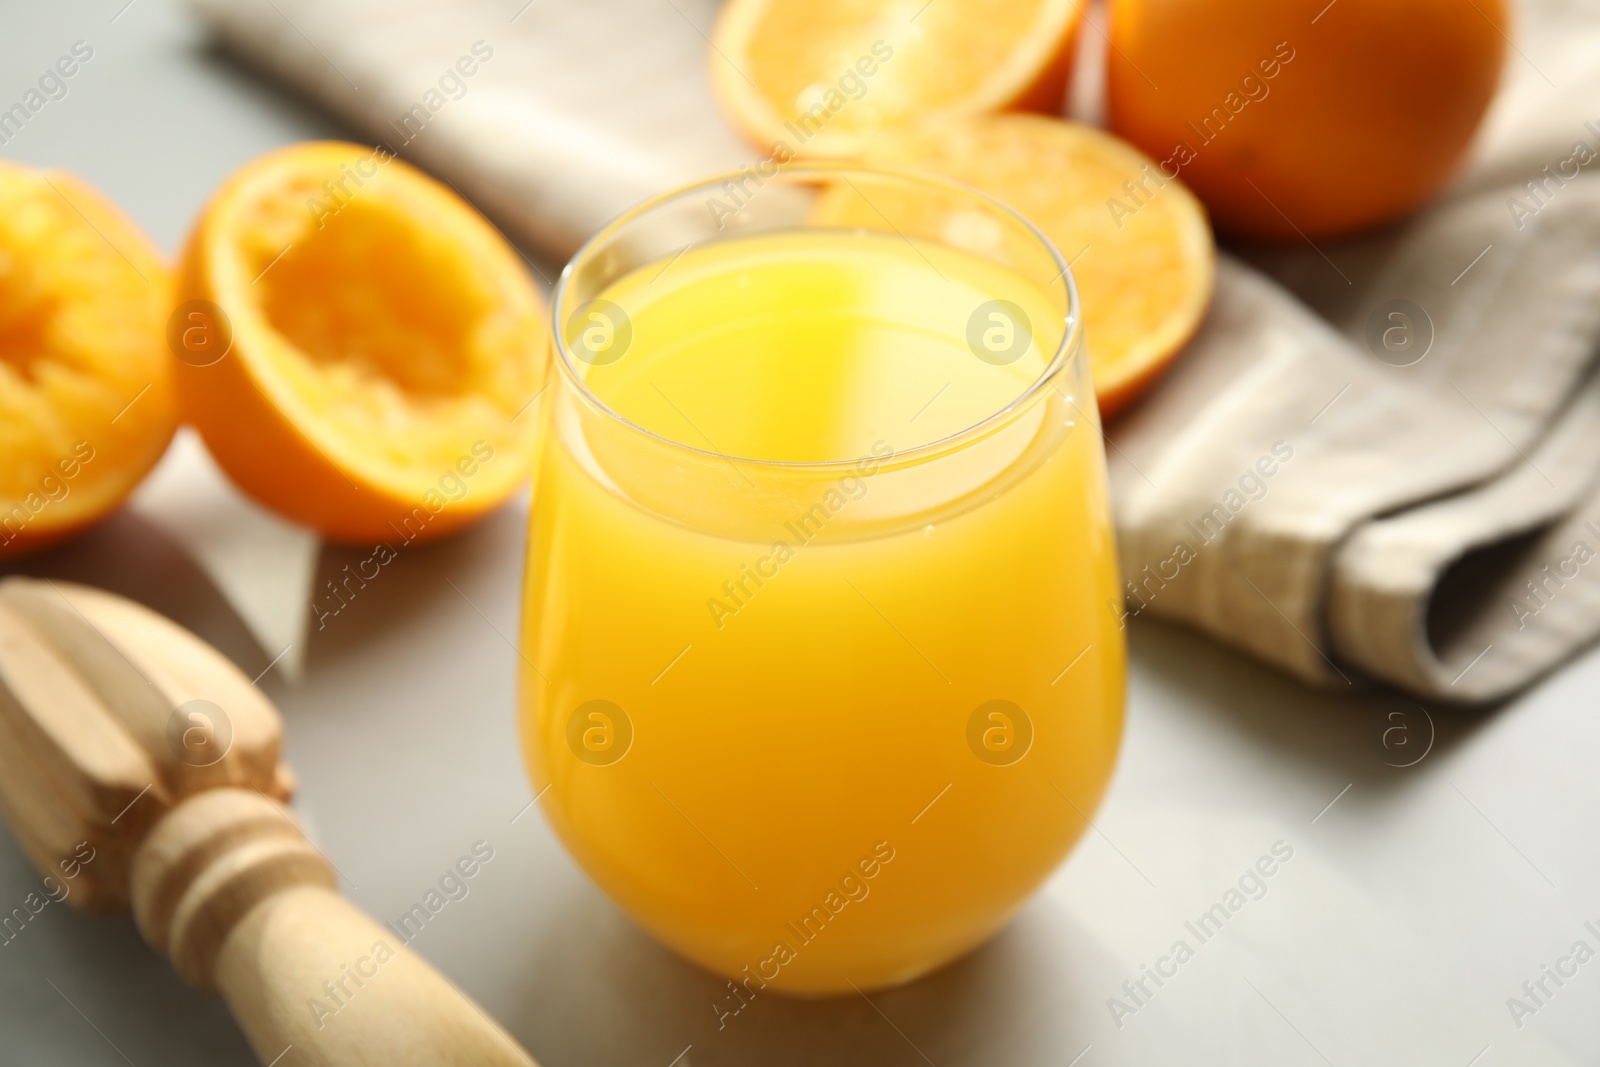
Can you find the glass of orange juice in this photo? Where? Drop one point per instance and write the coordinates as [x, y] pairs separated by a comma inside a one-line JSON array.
[[823, 663]]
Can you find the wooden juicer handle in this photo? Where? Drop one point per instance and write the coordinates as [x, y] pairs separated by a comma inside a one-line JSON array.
[[138, 762]]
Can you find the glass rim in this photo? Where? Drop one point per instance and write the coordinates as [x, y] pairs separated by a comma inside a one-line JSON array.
[[1065, 351]]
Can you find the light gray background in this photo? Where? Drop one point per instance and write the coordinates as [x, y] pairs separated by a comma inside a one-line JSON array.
[[1414, 905]]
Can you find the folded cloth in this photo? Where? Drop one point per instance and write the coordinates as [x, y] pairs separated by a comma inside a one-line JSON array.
[[1379, 458], [573, 110]]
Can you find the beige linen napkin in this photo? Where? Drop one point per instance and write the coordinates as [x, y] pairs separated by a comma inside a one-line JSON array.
[[1379, 458], [1433, 526], [574, 110]]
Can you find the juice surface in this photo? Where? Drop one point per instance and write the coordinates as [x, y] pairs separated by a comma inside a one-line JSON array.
[[821, 726], [813, 345]]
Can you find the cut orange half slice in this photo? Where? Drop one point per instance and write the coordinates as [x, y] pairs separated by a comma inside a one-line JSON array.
[[823, 78], [1138, 241], [86, 398], [361, 347]]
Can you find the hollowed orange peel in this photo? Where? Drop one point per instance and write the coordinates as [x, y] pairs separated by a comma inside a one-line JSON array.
[[86, 398], [359, 348]]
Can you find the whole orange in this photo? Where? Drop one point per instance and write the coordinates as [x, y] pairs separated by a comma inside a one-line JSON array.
[[1296, 118]]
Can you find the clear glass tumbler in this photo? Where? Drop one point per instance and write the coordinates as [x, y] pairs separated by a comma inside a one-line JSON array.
[[823, 663]]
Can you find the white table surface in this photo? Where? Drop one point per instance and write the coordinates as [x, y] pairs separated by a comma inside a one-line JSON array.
[[1413, 906]]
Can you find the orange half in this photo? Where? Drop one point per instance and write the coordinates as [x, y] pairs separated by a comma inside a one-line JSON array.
[[823, 78], [86, 397], [1138, 241], [363, 348]]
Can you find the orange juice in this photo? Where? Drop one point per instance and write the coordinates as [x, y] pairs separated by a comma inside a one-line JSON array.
[[821, 679]]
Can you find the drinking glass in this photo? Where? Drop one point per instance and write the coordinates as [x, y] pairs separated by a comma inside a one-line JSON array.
[[823, 662]]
